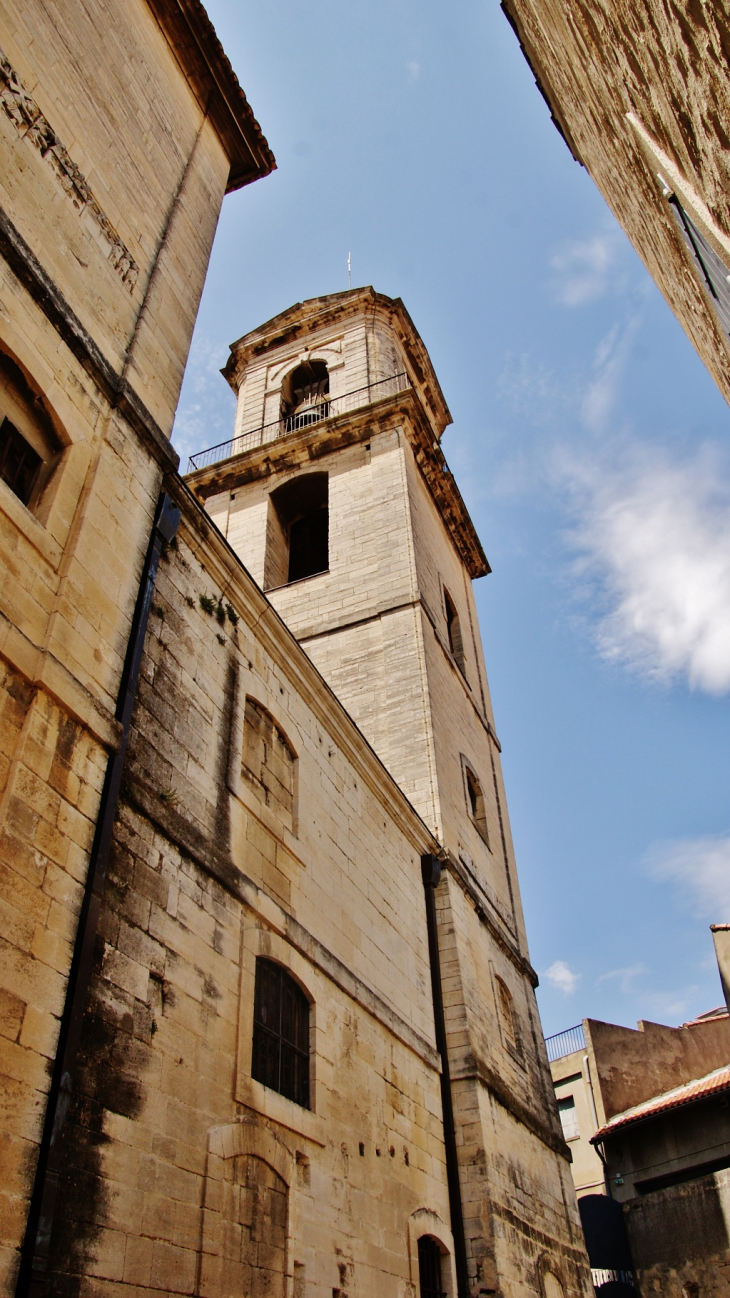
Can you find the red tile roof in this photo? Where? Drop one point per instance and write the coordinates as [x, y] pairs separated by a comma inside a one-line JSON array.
[[699, 1089]]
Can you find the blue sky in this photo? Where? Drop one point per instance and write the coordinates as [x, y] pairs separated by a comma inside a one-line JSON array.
[[590, 444]]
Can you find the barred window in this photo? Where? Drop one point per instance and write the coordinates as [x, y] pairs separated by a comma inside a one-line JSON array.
[[429, 1268], [19, 463], [280, 1033]]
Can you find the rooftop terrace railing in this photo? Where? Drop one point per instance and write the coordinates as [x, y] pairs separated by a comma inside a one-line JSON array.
[[565, 1043], [323, 407]]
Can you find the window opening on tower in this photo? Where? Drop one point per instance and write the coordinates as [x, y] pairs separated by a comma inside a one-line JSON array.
[[304, 395], [477, 809], [453, 628], [297, 543]]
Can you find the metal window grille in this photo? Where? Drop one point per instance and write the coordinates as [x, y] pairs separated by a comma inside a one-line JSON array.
[[713, 270], [280, 1033], [429, 1268], [19, 463]]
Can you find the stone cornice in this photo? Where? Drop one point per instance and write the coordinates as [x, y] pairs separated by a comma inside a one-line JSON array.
[[299, 449]]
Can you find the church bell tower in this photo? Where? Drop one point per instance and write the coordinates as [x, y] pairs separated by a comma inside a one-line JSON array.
[[335, 494]]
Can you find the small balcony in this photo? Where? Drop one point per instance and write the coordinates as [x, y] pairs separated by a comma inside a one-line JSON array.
[[321, 408]]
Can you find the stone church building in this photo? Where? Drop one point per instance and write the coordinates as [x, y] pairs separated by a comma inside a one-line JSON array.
[[267, 1016]]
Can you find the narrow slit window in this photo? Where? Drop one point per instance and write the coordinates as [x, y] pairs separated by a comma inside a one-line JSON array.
[[477, 811], [453, 630], [280, 1033], [507, 1014]]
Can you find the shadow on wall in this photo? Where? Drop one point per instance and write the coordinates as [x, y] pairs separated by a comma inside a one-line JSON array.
[[682, 1225]]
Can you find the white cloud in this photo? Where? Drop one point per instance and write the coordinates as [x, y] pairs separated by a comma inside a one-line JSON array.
[[586, 269], [562, 977], [653, 540], [699, 869], [414, 69]]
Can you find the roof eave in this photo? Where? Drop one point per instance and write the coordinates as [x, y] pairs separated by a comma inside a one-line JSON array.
[[205, 65]]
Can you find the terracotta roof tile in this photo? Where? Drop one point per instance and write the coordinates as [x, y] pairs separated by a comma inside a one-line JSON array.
[[699, 1089]]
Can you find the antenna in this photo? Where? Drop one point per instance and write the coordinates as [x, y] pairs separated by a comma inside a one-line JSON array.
[[349, 271]]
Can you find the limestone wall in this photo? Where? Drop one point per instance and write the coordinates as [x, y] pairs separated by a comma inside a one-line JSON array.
[[111, 180], [206, 877]]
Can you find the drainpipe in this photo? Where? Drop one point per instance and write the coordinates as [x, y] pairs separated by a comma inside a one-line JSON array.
[[431, 873], [33, 1277]]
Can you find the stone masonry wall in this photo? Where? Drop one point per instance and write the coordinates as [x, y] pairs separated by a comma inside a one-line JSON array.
[[99, 294], [170, 1133]]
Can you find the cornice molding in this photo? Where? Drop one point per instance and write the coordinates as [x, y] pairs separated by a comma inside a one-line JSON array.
[[299, 449]]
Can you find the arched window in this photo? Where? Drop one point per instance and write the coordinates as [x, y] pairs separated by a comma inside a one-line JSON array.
[[304, 395], [453, 629], [477, 811], [268, 763], [29, 448], [429, 1268], [280, 1033], [507, 1013], [297, 542], [552, 1286]]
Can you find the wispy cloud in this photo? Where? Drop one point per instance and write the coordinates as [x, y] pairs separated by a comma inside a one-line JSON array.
[[699, 870], [587, 269], [414, 69], [609, 363], [562, 977], [626, 977], [653, 542]]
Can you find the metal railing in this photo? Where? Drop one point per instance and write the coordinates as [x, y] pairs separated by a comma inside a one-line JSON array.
[[322, 407], [565, 1043]]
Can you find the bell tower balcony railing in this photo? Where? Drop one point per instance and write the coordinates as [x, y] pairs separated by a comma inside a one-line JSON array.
[[322, 408]]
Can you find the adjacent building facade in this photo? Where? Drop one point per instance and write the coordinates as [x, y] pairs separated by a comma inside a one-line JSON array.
[[640, 93], [99, 105], [645, 1112]]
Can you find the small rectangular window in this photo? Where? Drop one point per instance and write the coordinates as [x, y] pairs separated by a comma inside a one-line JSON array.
[[19, 463], [568, 1118]]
